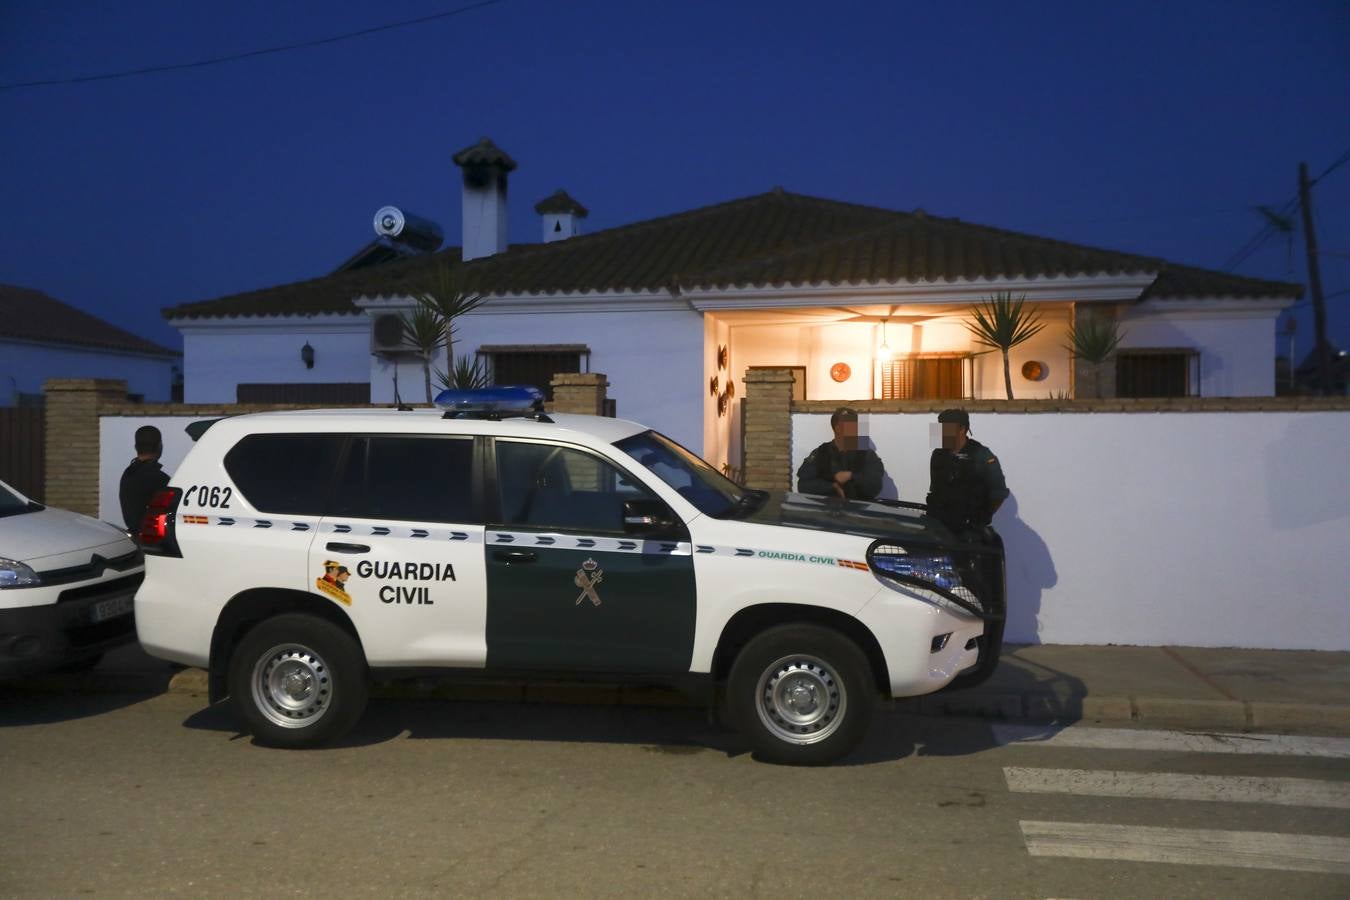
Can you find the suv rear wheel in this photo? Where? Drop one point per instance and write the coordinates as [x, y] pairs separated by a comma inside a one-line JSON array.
[[298, 681], [801, 694]]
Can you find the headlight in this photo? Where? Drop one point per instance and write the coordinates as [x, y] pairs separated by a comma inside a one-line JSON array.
[[14, 574], [937, 570]]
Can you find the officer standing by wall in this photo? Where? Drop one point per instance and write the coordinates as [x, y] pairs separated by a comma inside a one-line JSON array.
[[142, 477], [839, 467], [967, 485]]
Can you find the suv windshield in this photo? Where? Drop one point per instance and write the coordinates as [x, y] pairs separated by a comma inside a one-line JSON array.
[[693, 479], [11, 504]]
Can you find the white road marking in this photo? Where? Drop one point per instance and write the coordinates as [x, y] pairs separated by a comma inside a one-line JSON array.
[[1177, 786], [1087, 737], [1189, 846]]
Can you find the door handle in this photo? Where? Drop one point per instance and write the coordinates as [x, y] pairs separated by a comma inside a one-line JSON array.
[[348, 548], [514, 556]]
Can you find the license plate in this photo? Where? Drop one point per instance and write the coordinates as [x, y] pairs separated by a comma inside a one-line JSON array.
[[108, 609]]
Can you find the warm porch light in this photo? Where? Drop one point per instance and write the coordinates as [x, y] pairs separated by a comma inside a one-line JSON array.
[[884, 351]]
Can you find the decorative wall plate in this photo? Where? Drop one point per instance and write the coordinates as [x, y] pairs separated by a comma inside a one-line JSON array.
[[722, 404], [713, 385], [840, 371], [1033, 370], [731, 387], [722, 356]]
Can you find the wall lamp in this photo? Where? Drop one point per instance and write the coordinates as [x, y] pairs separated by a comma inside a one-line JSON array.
[[307, 355], [884, 351]]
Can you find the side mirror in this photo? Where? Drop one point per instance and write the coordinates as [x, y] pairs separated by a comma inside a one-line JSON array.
[[646, 515]]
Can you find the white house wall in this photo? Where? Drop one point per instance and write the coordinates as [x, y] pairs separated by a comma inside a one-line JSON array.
[[654, 360], [219, 356], [1237, 350], [1199, 529], [25, 366]]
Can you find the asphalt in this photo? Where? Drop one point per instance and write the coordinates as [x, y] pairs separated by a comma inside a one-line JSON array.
[[1192, 688]]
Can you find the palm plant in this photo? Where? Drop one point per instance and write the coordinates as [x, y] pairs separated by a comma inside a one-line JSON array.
[[466, 375], [1001, 323], [443, 293], [425, 329], [1093, 339]]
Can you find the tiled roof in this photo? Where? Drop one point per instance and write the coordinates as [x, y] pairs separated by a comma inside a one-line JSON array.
[[775, 238], [30, 315], [561, 202]]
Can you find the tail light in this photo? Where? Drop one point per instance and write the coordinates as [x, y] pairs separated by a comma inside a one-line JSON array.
[[157, 528]]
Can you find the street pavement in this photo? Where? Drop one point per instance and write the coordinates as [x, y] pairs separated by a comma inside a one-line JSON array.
[[109, 794]]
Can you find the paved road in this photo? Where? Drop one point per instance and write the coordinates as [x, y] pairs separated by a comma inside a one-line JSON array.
[[122, 796]]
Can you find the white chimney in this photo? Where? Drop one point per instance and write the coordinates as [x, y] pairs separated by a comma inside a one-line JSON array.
[[562, 216], [485, 168]]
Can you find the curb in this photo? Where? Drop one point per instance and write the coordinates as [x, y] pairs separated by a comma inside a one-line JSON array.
[[1034, 707]]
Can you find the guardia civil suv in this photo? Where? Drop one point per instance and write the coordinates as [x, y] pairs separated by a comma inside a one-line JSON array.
[[297, 555]]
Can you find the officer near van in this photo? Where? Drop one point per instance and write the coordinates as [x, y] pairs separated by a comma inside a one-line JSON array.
[[142, 478], [967, 485], [839, 467]]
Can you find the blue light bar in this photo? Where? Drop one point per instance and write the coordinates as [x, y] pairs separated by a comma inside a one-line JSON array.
[[505, 399]]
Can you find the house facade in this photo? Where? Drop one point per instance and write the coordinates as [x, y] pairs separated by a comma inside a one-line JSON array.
[[860, 302], [42, 337]]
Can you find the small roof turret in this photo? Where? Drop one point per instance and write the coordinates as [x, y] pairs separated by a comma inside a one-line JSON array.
[[561, 202]]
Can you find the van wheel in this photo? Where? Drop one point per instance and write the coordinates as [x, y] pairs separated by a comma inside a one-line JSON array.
[[801, 694], [298, 681]]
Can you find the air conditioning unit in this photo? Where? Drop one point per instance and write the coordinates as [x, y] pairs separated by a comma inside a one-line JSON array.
[[387, 337]]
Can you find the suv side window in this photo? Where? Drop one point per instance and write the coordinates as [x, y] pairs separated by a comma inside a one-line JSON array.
[[285, 473], [550, 486], [413, 478]]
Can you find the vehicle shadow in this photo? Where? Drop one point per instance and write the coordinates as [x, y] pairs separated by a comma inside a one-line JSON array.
[[676, 731], [24, 702]]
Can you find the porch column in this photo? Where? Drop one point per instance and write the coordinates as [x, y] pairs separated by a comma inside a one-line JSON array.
[[767, 454], [71, 444], [579, 392]]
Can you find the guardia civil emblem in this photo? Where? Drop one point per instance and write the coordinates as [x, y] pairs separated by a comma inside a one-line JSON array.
[[587, 577]]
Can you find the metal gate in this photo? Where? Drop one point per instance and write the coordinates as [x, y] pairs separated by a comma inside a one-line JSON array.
[[22, 457]]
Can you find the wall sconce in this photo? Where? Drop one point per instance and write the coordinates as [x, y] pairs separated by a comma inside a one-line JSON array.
[[307, 355], [884, 351]]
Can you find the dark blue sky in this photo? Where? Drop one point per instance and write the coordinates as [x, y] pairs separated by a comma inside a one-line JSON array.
[[1146, 127]]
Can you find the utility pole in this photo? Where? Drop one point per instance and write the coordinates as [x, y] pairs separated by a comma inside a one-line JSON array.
[[1314, 285]]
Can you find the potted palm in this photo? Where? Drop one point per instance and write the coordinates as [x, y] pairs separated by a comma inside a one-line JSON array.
[[1092, 340], [1002, 322], [443, 294]]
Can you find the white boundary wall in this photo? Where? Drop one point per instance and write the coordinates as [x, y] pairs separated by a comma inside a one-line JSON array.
[[1200, 529]]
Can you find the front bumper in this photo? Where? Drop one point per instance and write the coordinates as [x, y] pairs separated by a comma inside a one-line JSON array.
[[40, 638]]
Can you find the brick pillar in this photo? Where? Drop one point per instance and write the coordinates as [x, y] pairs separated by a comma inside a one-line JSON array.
[[579, 392], [767, 454], [72, 439]]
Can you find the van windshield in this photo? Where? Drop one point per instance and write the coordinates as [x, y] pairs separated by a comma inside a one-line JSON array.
[[692, 478], [11, 504]]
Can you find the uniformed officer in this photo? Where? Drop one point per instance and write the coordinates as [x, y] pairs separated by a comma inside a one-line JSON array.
[[967, 485], [142, 478], [839, 467]]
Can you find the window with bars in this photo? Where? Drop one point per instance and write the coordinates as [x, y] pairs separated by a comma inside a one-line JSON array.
[[1154, 373], [534, 364], [922, 378]]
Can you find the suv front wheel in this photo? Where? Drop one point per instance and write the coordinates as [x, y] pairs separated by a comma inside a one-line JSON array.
[[298, 681], [801, 694]]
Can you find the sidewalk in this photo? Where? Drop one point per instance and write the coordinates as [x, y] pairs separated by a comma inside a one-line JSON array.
[[1192, 688]]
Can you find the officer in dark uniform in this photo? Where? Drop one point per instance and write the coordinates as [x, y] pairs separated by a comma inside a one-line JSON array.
[[967, 485], [142, 478], [838, 467]]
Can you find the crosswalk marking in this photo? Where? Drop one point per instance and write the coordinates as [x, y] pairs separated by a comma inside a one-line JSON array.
[[1177, 786], [1189, 846], [1177, 741]]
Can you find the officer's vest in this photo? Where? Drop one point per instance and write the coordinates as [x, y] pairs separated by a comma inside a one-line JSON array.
[[957, 497]]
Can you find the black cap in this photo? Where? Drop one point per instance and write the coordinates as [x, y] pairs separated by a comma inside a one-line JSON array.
[[955, 417], [843, 414]]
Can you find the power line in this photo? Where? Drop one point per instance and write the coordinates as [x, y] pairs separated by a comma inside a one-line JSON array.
[[217, 60], [1345, 158]]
